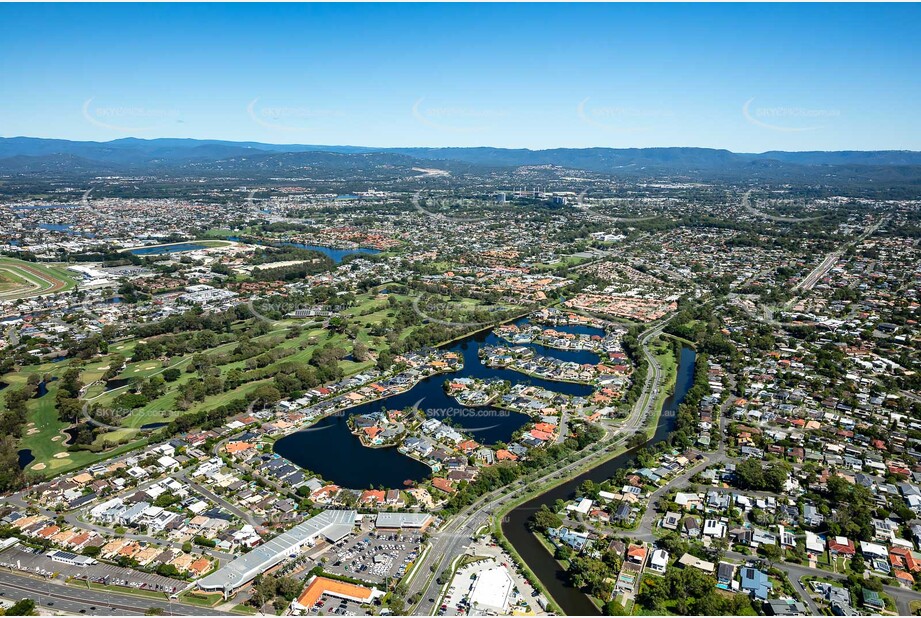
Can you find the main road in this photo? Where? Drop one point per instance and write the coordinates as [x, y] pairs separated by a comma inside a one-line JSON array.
[[809, 281], [449, 542], [54, 596]]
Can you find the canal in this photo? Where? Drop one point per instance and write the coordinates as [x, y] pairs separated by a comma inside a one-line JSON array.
[[329, 449], [572, 601]]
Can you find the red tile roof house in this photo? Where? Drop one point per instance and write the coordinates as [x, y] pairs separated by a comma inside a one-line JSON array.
[[468, 446], [443, 484], [372, 496], [636, 554], [839, 545], [904, 577], [325, 493], [455, 387], [902, 556], [546, 427]]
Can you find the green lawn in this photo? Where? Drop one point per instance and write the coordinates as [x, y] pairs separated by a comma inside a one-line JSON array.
[[44, 433], [664, 354], [200, 598], [11, 280], [42, 275]]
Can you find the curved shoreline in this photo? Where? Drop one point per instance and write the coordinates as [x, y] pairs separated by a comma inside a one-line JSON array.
[[514, 516]]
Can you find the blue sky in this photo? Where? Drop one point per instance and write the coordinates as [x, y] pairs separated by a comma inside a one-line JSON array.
[[746, 77]]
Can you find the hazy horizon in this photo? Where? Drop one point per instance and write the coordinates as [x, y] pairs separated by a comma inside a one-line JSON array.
[[745, 78], [363, 146]]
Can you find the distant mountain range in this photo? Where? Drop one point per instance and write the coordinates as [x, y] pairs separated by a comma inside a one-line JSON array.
[[34, 156]]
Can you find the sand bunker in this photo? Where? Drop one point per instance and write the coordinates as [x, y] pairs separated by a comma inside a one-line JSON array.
[[39, 466], [63, 455]]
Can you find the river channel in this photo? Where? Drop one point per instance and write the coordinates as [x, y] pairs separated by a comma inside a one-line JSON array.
[[572, 601]]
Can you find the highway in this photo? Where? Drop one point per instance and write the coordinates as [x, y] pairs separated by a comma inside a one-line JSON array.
[[808, 282], [452, 539], [55, 596]]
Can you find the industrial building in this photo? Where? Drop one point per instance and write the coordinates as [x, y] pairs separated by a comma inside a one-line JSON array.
[[331, 525]]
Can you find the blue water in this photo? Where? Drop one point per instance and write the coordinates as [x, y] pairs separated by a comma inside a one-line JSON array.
[[41, 390], [177, 248], [515, 525], [335, 255], [329, 449], [684, 380], [577, 329], [152, 426], [25, 457], [66, 228]]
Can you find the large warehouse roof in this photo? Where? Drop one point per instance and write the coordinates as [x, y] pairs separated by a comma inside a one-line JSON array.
[[333, 525], [402, 520]]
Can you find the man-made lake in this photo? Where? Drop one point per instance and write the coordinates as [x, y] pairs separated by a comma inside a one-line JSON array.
[[330, 450], [25, 457], [336, 255], [164, 249], [515, 527]]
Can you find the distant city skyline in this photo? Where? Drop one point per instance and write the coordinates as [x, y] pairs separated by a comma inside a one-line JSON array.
[[747, 78]]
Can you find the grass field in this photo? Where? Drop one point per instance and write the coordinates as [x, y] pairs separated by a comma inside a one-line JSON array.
[[205, 243], [44, 433], [661, 348], [19, 279], [10, 281], [165, 408]]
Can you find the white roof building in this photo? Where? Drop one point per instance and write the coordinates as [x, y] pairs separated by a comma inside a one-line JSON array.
[[333, 525], [491, 590], [403, 520], [873, 550], [584, 506], [814, 543], [658, 561], [714, 528]]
